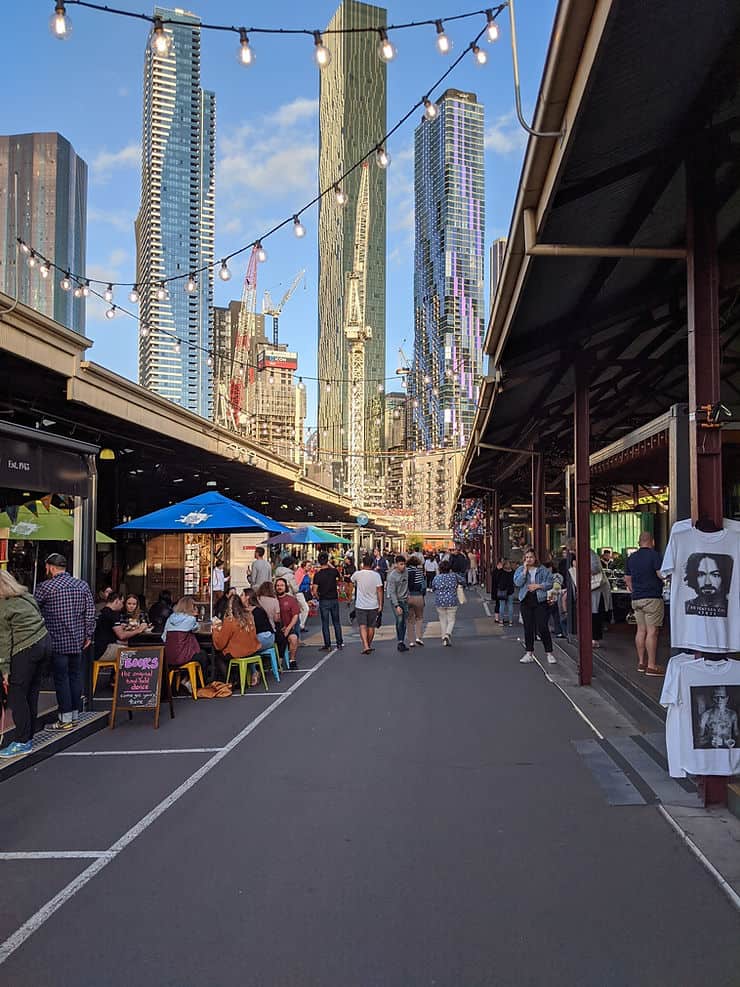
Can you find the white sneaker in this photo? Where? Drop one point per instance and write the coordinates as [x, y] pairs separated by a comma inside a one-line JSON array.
[[412, 644], [551, 659], [526, 658]]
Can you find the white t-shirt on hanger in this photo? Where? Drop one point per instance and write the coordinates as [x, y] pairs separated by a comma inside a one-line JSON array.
[[706, 698], [669, 699], [705, 588]]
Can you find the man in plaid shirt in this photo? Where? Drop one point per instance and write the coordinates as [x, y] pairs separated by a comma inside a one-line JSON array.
[[68, 608]]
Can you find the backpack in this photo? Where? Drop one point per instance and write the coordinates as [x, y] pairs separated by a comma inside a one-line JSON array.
[[305, 586]]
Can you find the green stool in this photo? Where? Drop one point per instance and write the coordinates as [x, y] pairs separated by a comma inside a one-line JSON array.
[[244, 664]]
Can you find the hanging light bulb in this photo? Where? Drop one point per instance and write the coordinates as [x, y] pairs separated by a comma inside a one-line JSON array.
[[301, 385], [161, 292], [443, 42], [381, 388], [60, 24], [224, 272], [386, 51], [479, 55], [25, 249], [133, 295], [427, 379], [271, 378], [78, 291], [261, 252], [340, 195], [382, 157], [298, 228], [66, 283], [178, 347], [32, 261], [110, 313], [144, 332], [431, 110], [327, 387], [492, 30], [321, 53], [108, 294], [209, 361], [86, 289], [246, 55], [161, 41], [191, 284], [45, 269]]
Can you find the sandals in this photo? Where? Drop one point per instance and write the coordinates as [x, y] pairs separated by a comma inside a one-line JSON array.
[[655, 671], [642, 668]]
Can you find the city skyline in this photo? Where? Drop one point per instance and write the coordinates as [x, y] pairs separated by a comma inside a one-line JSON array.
[[175, 231], [266, 149]]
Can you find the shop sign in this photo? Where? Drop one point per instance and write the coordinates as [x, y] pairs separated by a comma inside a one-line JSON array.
[[139, 682], [27, 466]]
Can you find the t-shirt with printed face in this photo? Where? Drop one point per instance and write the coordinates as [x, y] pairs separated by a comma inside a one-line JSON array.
[[643, 566], [367, 582], [706, 696], [705, 589]]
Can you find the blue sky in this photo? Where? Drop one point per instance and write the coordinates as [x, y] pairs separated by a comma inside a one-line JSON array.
[[89, 89]]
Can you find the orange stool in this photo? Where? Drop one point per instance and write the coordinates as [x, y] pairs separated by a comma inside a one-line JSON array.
[[195, 675], [102, 663]]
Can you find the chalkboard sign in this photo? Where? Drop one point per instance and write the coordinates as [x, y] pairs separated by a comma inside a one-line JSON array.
[[139, 682]]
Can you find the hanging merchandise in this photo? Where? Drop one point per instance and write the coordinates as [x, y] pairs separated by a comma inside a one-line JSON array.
[[705, 588], [703, 702]]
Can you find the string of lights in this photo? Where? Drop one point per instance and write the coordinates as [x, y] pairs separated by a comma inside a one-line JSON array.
[[61, 28]]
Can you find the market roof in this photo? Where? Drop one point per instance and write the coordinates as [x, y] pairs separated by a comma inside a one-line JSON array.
[[638, 90]]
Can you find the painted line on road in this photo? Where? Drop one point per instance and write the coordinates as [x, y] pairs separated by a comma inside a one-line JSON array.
[[168, 750], [16, 940], [487, 609], [726, 887], [56, 855]]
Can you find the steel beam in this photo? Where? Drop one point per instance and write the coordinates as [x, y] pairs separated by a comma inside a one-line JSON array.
[[583, 523], [538, 504]]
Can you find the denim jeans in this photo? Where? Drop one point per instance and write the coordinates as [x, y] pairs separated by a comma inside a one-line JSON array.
[[329, 611], [401, 619], [266, 638], [68, 684]]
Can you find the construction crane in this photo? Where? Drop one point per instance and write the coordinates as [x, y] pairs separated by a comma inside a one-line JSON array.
[[241, 373], [404, 366], [269, 308], [357, 332]]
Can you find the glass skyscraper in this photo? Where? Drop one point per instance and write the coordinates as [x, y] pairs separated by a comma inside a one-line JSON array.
[[50, 215], [175, 225], [352, 120], [449, 263]]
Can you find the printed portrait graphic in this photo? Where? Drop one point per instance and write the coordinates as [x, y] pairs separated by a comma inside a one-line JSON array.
[[709, 576], [714, 716]]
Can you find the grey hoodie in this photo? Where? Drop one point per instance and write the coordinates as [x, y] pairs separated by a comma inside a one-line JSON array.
[[397, 586]]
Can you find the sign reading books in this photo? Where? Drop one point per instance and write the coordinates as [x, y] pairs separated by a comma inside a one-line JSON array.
[[139, 682]]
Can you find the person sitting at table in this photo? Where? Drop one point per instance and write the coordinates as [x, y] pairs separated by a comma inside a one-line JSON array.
[[180, 643], [133, 615], [265, 630], [235, 636], [110, 629], [222, 603], [289, 615], [267, 599], [160, 611]]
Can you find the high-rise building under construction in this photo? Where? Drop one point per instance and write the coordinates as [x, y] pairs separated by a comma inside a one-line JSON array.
[[352, 121]]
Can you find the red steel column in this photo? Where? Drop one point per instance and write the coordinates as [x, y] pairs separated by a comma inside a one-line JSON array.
[[496, 527], [702, 296], [538, 504], [581, 429]]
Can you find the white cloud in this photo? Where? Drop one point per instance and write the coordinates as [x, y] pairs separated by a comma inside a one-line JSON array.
[[291, 113], [106, 161], [117, 220], [504, 135]]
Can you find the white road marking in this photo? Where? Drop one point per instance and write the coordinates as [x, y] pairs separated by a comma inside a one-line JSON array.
[[56, 855], [727, 888], [487, 609], [170, 750], [16, 940]]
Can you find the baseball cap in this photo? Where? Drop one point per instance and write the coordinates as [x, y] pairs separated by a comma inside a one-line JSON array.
[[56, 559]]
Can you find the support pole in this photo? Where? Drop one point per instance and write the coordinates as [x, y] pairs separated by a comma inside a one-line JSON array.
[[583, 523], [538, 504], [496, 529]]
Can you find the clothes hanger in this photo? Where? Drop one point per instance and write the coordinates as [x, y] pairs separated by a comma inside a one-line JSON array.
[[706, 524]]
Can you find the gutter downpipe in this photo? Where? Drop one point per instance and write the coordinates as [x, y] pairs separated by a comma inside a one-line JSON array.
[[535, 249]]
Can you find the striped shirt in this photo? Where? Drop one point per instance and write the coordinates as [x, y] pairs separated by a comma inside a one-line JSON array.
[[68, 609]]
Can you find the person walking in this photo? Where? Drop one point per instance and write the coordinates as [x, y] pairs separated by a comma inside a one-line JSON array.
[[325, 589], [431, 568], [505, 593], [643, 579], [417, 591], [218, 580], [68, 608], [24, 644], [445, 585], [533, 581], [472, 568], [260, 571], [397, 588], [368, 601]]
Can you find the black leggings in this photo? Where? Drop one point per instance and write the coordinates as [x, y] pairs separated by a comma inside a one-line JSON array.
[[536, 618]]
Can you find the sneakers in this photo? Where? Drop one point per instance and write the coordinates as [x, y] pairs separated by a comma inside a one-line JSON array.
[[402, 646], [420, 642], [551, 659], [412, 644], [526, 658], [17, 748], [326, 647], [59, 725], [446, 641]]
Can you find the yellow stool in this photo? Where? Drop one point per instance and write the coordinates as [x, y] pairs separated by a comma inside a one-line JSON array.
[[195, 675], [243, 664], [102, 663]]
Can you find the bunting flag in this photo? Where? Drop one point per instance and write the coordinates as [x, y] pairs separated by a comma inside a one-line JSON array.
[[46, 501], [12, 512], [33, 507]]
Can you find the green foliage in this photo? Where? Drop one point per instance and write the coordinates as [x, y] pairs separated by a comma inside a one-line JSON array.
[[414, 542]]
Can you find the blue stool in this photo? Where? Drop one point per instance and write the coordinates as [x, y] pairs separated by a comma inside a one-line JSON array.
[[272, 654]]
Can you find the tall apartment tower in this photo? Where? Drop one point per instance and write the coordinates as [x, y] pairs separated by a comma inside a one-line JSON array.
[[50, 215], [449, 259], [175, 225], [352, 120]]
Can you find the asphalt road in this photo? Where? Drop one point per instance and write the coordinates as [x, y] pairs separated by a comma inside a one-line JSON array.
[[395, 820]]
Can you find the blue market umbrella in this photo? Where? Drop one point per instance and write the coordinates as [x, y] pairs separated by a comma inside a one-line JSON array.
[[209, 513], [308, 534]]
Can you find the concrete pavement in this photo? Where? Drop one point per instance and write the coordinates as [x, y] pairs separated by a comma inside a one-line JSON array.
[[391, 819]]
